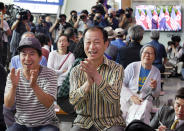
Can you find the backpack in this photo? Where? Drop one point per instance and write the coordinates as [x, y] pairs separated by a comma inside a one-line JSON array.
[[138, 125]]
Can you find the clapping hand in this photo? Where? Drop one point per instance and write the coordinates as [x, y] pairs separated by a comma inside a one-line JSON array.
[[14, 76], [136, 100], [33, 78]]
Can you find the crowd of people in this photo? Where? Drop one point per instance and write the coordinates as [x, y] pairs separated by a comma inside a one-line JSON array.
[[92, 66]]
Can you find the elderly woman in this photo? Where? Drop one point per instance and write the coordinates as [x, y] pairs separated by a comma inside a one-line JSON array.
[[141, 80]]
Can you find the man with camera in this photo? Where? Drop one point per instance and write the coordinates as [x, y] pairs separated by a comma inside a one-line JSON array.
[[83, 22], [73, 17], [42, 26], [4, 33], [59, 26], [111, 19], [98, 19], [20, 26], [127, 19]]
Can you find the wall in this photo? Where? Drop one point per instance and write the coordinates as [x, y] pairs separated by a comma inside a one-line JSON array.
[[78, 5], [164, 36], [7, 1]]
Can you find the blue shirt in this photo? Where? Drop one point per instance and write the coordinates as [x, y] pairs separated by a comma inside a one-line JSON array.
[[118, 43], [15, 62], [142, 77]]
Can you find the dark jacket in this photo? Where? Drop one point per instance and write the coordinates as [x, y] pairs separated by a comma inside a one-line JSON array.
[[129, 54], [166, 116]]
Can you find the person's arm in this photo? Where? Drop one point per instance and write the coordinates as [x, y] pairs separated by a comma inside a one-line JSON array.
[[15, 24], [12, 83], [42, 94], [28, 28], [6, 28], [76, 24], [53, 26], [121, 23], [156, 84]]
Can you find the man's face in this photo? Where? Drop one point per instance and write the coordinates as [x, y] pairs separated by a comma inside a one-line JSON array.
[[94, 45], [29, 58], [179, 108]]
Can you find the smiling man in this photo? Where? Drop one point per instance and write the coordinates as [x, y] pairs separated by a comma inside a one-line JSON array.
[[95, 87], [34, 88], [171, 118]]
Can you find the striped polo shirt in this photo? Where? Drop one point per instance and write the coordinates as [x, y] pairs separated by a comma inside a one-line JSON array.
[[101, 105], [29, 110]]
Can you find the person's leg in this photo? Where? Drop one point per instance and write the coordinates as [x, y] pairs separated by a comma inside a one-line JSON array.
[[116, 128], [17, 127], [77, 128], [46, 128]]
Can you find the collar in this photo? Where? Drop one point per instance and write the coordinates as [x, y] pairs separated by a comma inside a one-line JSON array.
[[180, 121], [105, 62]]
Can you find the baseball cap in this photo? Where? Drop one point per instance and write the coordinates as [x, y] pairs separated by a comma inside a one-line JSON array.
[[119, 31], [29, 42]]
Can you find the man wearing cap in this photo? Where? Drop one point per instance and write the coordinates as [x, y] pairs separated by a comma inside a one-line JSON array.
[[119, 32], [34, 89]]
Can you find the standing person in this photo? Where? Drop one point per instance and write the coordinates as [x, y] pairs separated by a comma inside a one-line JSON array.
[[160, 51], [61, 60], [95, 87], [141, 79], [131, 52], [20, 26], [35, 89], [5, 32], [171, 117]]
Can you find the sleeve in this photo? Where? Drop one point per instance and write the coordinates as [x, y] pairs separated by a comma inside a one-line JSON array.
[[51, 84], [77, 93], [156, 92], [111, 90], [50, 63], [127, 93], [5, 26]]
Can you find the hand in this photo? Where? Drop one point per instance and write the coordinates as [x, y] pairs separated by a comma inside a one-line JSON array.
[[33, 78], [153, 84], [14, 77], [162, 128], [136, 100], [88, 67]]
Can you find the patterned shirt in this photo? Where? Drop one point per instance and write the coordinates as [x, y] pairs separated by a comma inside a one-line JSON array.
[[29, 110], [101, 105]]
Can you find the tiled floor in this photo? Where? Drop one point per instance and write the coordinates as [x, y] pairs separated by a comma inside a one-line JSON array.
[[171, 85]]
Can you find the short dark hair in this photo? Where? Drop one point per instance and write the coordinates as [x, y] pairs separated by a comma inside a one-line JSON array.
[[180, 93], [85, 12], [1, 5], [176, 38], [94, 28], [136, 32], [73, 11], [44, 39], [62, 15]]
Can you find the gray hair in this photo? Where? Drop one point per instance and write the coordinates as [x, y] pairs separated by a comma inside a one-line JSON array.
[[136, 33], [27, 34], [155, 34], [148, 45]]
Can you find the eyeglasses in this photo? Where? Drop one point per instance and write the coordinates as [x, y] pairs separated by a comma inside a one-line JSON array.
[[148, 53]]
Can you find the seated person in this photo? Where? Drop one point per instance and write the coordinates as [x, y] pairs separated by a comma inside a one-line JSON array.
[[175, 54], [141, 79], [171, 118], [34, 88]]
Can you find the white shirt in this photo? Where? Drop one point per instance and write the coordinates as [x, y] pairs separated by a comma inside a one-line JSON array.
[[5, 28]]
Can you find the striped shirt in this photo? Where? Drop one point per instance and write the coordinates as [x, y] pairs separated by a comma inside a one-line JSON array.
[[29, 110], [101, 105]]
